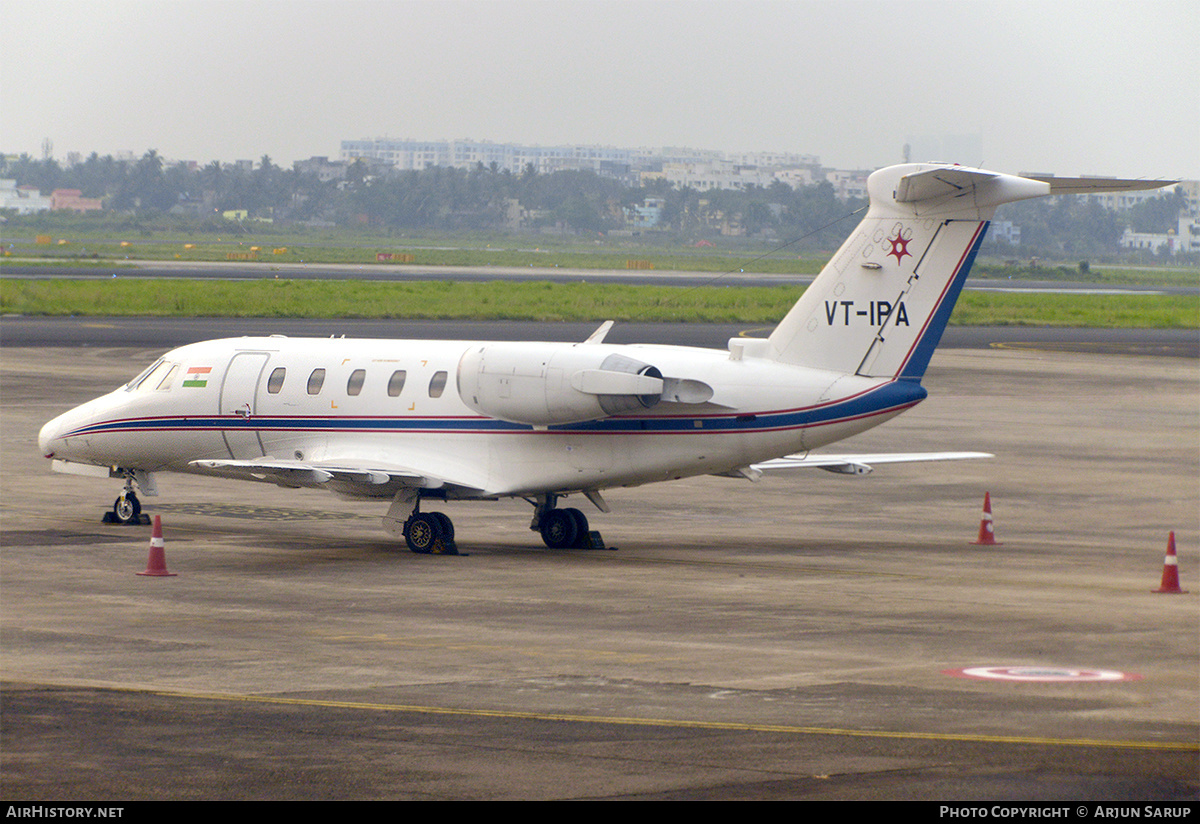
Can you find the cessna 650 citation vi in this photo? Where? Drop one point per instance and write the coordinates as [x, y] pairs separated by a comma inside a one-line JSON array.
[[419, 421]]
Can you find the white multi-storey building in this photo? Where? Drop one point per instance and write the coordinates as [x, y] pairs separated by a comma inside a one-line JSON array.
[[700, 168]]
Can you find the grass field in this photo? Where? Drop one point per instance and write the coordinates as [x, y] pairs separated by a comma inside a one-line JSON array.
[[478, 249], [507, 300]]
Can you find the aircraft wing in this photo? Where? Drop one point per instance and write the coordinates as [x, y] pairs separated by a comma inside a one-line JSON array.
[[857, 464], [346, 477]]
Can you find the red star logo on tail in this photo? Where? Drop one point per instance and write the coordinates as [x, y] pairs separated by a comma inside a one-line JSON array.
[[899, 246]]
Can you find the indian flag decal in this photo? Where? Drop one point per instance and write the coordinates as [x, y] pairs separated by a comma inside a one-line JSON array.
[[197, 376]]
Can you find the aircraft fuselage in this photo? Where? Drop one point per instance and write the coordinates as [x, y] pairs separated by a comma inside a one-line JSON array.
[[399, 403]]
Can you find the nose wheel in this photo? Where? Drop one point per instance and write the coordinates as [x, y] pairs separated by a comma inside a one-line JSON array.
[[126, 509]]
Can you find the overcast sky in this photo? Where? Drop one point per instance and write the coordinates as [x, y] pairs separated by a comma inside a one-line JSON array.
[[1064, 86]]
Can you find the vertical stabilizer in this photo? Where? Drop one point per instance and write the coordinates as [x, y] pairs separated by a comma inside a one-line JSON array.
[[879, 306]]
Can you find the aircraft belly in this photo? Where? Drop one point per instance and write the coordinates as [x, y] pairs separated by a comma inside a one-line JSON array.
[[550, 462]]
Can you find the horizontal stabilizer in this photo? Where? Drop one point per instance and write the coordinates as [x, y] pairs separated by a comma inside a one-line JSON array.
[[959, 186], [934, 183], [1089, 185]]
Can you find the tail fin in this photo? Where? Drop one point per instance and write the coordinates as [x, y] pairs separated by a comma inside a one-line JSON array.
[[879, 307]]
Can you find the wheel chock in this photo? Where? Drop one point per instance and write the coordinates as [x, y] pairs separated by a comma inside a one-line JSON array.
[[443, 547], [110, 518], [590, 540]]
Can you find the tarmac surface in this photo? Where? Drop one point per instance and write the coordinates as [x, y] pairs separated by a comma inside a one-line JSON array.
[[801, 638]]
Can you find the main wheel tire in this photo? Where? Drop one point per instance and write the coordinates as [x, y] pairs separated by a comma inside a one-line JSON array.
[[581, 523], [559, 529], [422, 532], [127, 509], [445, 524]]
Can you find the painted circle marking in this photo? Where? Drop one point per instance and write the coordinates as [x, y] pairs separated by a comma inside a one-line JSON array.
[[1041, 674]]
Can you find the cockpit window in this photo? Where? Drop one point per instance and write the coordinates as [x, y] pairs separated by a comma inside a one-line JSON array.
[[168, 379], [158, 376], [145, 373]]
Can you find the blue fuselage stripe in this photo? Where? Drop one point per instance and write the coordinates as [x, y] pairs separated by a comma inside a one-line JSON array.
[[892, 396]]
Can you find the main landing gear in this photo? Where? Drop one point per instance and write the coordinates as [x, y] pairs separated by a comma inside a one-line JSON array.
[[426, 533], [126, 509], [430, 533], [563, 528]]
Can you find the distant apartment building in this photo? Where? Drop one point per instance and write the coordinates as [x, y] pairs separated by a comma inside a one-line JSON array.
[[1191, 194], [848, 183], [324, 169], [1184, 239], [647, 215], [714, 175], [797, 177], [1119, 201], [417, 155], [1004, 232], [703, 168]]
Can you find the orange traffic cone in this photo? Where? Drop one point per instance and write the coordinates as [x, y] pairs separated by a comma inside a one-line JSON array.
[[156, 563], [1170, 578], [987, 531]]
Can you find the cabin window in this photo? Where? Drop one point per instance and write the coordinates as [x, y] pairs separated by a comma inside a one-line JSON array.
[[275, 382], [168, 379], [315, 381], [437, 384], [354, 385], [396, 383]]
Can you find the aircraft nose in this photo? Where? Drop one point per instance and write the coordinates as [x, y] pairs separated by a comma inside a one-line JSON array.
[[52, 437], [48, 436]]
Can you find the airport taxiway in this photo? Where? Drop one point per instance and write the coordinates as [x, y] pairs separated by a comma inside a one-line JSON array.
[[795, 638]]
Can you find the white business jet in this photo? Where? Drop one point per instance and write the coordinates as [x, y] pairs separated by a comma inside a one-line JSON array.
[[418, 421]]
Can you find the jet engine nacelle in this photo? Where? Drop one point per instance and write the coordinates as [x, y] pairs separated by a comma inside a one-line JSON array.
[[555, 383]]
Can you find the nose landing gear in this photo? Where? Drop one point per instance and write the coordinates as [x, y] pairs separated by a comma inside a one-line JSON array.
[[126, 509]]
